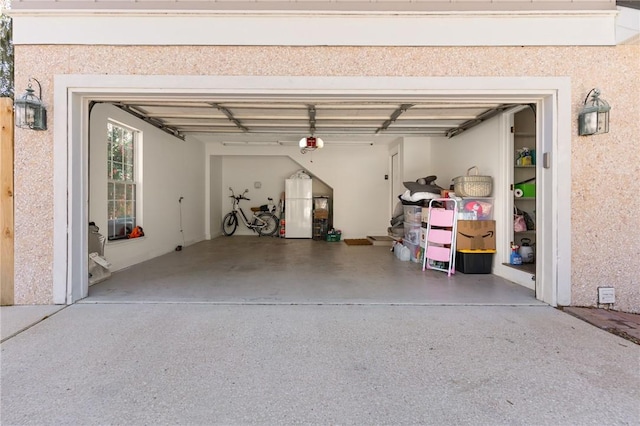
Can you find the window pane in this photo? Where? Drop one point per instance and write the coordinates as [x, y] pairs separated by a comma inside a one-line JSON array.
[[117, 136], [109, 170], [119, 208], [117, 172], [112, 210], [110, 191], [127, 157], [128, 172], [120, 192], [131, 192], [130, 209], [116, 152]]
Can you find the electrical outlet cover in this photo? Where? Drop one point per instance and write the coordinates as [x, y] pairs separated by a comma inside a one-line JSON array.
[[606, 295]]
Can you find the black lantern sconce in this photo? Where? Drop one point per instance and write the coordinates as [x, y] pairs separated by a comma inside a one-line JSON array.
[[594, 117], [30, 112]]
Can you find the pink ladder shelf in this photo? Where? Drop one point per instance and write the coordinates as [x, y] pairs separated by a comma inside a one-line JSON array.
[[440, 241]]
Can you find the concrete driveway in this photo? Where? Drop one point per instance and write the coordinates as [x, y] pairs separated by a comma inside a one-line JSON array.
[[174, 363]]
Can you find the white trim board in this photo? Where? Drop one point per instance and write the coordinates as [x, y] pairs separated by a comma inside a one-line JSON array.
[[539, 28], [73, 92]]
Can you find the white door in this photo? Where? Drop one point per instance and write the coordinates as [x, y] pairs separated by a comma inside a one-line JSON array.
[[396, 182]]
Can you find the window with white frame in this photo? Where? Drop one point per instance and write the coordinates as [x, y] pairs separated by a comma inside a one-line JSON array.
[[121, 180]]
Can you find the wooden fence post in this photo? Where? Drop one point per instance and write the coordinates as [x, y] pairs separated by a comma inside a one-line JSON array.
[[6, 203]]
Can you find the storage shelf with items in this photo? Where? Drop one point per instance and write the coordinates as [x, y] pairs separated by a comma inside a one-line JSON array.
[[321, 219], [524, 181]]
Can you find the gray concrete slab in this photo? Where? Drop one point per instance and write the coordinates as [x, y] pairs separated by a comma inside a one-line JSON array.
[[200, 364], [245, 269], [14, 319]]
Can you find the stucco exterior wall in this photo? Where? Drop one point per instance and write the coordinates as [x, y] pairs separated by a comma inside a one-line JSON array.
[[605, 168]]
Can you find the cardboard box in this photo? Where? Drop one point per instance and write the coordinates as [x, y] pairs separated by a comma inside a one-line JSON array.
[[425, 215], [444, 193], [321, 214], [476, 235]]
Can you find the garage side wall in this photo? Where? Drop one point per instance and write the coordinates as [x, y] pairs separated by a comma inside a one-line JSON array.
[[605, 168], [171, 168]]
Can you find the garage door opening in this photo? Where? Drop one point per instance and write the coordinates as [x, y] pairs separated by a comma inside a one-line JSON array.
[[74, 210]]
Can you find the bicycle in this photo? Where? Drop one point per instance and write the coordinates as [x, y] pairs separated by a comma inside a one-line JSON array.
[[263, 222]]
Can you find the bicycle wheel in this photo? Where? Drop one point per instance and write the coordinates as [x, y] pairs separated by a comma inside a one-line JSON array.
[[229, 224], [271, 224]]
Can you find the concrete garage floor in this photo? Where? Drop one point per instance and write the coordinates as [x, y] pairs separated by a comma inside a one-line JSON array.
[[265, 270]]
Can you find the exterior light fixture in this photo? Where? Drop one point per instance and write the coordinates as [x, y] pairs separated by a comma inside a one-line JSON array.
[[310, 143], [594, 117], [30, 112]]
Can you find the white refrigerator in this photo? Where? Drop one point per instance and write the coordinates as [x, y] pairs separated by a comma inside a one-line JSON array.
[[298, 208]]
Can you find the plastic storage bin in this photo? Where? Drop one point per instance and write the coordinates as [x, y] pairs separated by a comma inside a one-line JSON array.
[[334, 237], [416, 251], [412, 233], [475, 208], [474, 261], [413, 214]]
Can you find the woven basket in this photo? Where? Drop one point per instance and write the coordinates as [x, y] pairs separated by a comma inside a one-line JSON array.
[[473, 185]]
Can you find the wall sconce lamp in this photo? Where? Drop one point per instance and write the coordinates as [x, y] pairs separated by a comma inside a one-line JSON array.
[[310, 143], [30, 112], [594, 117]]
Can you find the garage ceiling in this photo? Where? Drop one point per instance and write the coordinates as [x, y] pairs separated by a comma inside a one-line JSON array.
[[289, 120]]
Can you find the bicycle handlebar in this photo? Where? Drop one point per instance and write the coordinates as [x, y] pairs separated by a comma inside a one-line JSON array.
[[239, 197]]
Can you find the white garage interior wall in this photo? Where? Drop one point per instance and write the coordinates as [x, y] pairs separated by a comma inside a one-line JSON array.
[[479, 146], [354, 174], [416, 158], [171, 168]]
